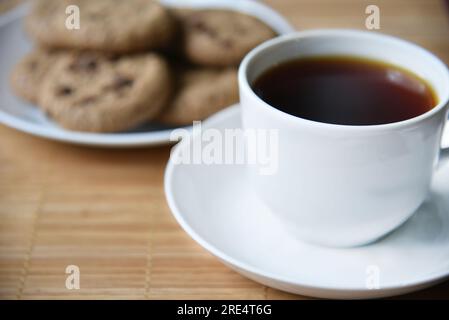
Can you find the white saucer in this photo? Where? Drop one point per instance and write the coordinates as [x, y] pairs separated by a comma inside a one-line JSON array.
[[25, 117], [217, 208]]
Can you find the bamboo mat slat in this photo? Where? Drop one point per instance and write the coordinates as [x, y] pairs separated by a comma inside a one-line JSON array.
[[105, 210]]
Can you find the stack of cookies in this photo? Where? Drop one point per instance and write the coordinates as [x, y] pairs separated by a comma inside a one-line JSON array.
[[132, 62]]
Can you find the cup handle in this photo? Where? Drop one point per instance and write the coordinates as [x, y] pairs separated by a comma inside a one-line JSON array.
[[445, 135], [445, 142]]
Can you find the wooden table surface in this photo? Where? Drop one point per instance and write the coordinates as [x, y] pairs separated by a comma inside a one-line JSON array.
[[105, 211]]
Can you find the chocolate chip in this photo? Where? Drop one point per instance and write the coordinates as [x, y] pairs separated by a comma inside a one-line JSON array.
[[84, 63], [86, 100], [64, 91], [227, 43], [113, 58], [198, 24], [121, 82], [194, 19], [33, 65], [118, 83]]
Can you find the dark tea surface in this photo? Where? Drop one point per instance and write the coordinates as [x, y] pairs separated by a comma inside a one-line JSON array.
[[345, 90]]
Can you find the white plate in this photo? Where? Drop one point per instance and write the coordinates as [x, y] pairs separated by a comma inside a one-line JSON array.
[[23, 116], [229, 221]]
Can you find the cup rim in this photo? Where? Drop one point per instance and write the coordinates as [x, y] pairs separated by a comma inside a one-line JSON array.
[[244, 83]]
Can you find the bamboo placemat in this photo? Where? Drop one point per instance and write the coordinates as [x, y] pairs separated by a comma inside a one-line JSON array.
[[105, 210]]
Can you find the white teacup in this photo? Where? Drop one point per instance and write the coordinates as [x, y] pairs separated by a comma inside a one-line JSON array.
[[340, 185]]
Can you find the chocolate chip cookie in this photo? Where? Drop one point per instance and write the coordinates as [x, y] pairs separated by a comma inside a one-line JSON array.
[[220, 37], [200, 93], [27, 76], [97, 93], [105, 25]]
